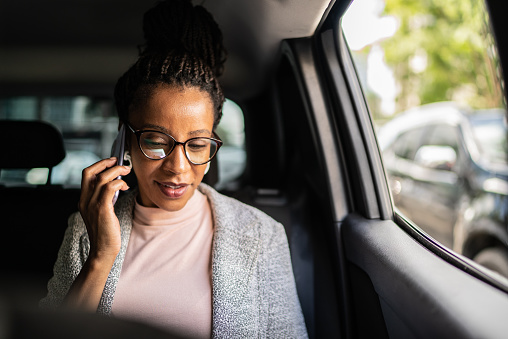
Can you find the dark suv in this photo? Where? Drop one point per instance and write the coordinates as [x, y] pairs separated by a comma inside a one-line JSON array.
[[447, 171]]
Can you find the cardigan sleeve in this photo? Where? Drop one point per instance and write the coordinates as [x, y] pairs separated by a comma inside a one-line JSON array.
[[285, 318], [71, 258]]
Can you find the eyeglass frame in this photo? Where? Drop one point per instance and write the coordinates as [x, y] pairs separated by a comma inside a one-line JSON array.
[[138, 133]]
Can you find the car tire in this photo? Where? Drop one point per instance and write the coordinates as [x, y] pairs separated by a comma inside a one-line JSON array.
[[494, 258]]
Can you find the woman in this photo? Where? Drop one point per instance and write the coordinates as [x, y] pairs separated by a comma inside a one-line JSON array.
[[173, 252]]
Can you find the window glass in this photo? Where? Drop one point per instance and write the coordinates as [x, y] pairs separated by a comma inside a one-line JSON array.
[[443, 135], [406, 144], [491, 133], [89, 127], [231, 157], [432, 66]]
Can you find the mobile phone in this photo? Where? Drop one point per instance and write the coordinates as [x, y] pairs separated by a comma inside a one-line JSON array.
[[117, 151]]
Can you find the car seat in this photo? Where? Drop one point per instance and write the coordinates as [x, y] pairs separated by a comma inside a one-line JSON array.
[[33, 217]]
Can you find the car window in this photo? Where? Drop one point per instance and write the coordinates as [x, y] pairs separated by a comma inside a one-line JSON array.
[[406, 144], [433, 66], [90, 125], [443, 135], [232, 155], [491, 133]]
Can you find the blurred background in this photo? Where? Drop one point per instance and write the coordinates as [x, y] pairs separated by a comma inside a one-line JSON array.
[[431, 75]]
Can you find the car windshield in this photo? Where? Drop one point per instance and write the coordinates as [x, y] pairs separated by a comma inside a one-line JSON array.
[[491, 133]]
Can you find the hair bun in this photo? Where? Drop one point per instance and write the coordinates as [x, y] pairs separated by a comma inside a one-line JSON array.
[[178, 26]]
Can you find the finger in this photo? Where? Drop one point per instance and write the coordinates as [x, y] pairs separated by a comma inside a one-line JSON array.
[[89, 173], [105, 195], [88, 179], [105, 178], [111, 174]]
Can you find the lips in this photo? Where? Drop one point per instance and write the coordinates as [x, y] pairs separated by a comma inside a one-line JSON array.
[[172, 190]]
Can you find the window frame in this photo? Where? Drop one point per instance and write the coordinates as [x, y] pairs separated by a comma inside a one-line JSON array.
[[340, 74]]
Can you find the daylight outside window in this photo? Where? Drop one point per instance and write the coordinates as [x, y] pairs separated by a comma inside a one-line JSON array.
[[432, 79], [232, 156], [88, 126]]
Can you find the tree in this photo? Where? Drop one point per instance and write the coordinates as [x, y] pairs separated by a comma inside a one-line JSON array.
[[443, 50]]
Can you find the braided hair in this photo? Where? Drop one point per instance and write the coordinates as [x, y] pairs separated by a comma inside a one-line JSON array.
[[183, 47]]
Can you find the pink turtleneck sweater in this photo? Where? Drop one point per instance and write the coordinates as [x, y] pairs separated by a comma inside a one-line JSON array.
[[166, 275]]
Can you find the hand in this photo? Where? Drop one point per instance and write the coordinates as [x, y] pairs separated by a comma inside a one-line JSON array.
[[98, 186]]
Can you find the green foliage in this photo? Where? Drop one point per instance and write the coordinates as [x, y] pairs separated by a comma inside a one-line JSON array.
[[454, 38]]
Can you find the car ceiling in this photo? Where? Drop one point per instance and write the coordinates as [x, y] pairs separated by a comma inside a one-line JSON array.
[[81, 43]]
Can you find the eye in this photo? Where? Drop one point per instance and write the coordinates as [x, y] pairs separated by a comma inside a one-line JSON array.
[[154, 140], [198, 145]]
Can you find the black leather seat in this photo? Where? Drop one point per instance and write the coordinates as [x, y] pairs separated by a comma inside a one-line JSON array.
[[33, 218]]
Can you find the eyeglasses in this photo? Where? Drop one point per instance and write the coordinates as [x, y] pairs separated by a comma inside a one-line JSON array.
[[157, 145]]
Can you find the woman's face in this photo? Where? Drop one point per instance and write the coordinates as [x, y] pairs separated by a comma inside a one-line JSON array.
[[182, 113]]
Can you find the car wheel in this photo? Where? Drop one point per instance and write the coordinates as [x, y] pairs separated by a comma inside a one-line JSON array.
[[494, 258]]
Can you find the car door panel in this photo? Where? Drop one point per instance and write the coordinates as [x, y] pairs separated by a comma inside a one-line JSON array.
[[419, 291], [397, 281]]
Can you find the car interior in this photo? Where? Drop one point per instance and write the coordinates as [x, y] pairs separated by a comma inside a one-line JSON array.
[[312, 162]]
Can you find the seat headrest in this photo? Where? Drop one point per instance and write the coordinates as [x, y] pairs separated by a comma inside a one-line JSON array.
[[30, 144]]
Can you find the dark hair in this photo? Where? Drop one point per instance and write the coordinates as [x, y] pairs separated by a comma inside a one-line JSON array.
[[183, 47]]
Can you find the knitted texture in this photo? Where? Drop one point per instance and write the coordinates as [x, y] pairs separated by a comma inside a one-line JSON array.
[[253, 289]]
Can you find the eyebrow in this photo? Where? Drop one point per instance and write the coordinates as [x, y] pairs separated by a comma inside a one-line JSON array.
[[163, 129]]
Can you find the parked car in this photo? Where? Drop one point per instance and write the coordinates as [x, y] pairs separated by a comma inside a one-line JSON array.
[[448, 173], [362, 269]]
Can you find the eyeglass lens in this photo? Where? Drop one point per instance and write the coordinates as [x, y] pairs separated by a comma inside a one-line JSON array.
[[157, 145]]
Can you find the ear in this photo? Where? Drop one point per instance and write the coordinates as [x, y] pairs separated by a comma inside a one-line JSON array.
[[127, 159], [207, 167]]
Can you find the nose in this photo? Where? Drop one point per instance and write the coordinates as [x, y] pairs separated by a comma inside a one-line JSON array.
[[177, 162]]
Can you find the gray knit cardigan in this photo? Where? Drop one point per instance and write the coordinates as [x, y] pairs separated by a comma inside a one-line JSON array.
[[253, 288]]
